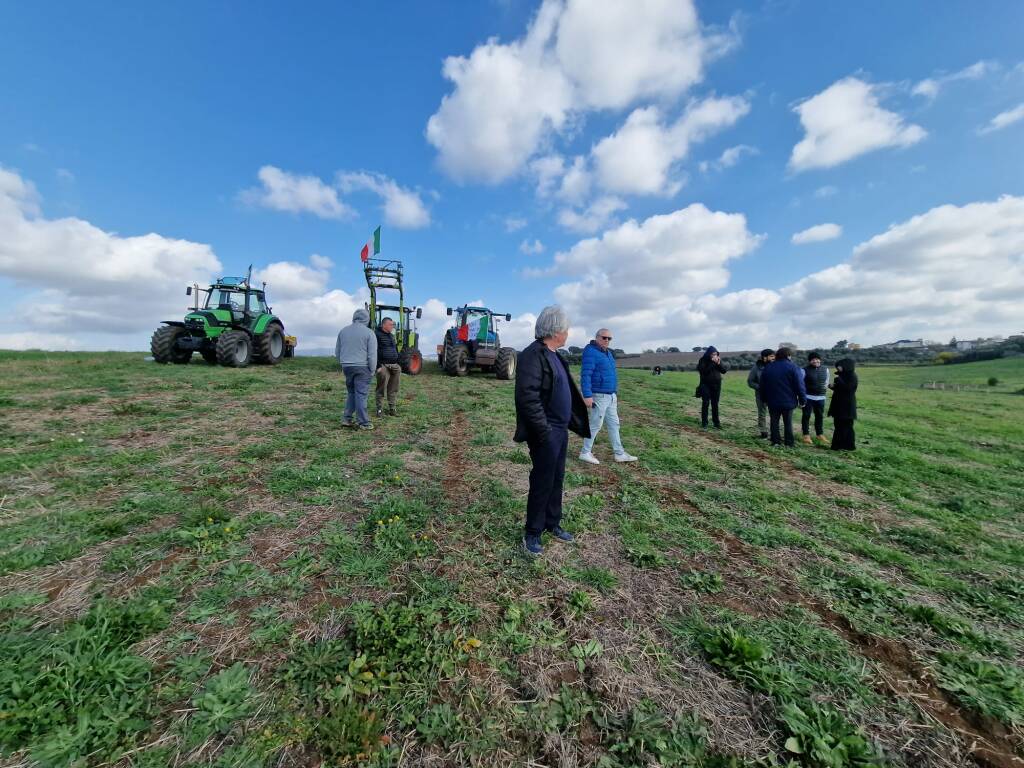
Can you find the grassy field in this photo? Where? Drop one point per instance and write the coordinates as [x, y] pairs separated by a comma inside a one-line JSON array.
[[198, 566]]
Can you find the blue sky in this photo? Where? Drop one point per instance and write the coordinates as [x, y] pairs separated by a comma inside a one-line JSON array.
[[646, 164]]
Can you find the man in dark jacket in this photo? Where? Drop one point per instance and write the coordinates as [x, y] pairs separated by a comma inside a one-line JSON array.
[[816, 382], [843, 408], [782, 388], [389, 372], [599, 384], [753, 381], [548, 405], [711, 370]]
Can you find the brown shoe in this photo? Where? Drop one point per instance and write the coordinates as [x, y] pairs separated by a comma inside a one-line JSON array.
[[807, 439], [823, 440]]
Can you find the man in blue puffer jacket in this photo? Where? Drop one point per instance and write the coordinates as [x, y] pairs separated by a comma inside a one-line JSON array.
[[599, 383], [782, 389]]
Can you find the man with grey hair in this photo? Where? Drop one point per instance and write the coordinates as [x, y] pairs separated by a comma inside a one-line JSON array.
[[599, 384], [356, 351], [548, 405]]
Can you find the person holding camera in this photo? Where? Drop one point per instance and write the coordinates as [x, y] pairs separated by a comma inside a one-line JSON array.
[[711, 370]]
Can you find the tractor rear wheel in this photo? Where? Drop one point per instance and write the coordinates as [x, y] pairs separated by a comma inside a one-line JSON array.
[[270, 345], [505, 364], [412, 362], [164, 347], [456, 361], [234, 349]]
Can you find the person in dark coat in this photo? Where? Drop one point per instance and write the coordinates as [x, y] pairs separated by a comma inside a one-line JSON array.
[[782, 388], [754, 382], [711, 370], [548, 405], [843, 408], [389, 369]]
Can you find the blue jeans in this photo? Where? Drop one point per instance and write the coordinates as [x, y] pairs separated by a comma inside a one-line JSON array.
[[604, 411], [357, 382]]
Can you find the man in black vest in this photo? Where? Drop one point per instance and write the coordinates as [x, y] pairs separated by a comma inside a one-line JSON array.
[[816, 380], [389, 371]]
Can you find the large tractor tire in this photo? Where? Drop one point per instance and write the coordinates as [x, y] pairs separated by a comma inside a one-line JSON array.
[[456, 361], [163, 345], [412, 362], [505, 364], [269, 345], [234, 349]]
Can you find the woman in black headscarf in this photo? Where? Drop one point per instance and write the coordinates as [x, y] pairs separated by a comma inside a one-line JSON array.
[[843, 408]]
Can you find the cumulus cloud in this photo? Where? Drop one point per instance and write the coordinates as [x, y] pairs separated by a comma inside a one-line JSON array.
[[509, 99], [283, 191], [817, 234], [403, 208], [930, 87], [597, 215], [77, 278], [1003, 119], [288, 279], [531, 249], [728, 158], [845, 121]]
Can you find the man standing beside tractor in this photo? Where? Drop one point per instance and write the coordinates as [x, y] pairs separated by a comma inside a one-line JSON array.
[[599, 384], [356, 351], [389, 369]]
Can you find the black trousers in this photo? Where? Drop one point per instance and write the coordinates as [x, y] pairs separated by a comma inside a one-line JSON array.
[[710, 397], [817, 407], [544, 504], [786, 414], [843, 437]]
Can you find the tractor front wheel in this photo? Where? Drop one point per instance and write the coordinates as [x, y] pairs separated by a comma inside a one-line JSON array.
[[234, 349], [456, 361], [505, 364], [164, 345], [412, 363], [270, 345]]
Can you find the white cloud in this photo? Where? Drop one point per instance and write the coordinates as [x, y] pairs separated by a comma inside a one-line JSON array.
[[37, 340], [930, 87], [320, 262], [403, 208], [531, 249], [514, 224], [728, 158], [288, 280], [826, 191], [575, 184], [595, 216], [638, 158], [64, 175], [283, 191], [817, 234], [510, 99], [1004, 119], [845, 121], [77, 279]]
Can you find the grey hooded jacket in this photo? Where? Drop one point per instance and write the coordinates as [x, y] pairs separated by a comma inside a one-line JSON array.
[[357, 344]]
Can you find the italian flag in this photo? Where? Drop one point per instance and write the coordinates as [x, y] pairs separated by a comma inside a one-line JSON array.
[[372, 247]]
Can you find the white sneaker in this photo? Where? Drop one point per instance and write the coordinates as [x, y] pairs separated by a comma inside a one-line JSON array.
[[589, 458], [622, 458]]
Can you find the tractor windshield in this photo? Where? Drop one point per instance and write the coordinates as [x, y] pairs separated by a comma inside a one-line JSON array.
[[235, 300]]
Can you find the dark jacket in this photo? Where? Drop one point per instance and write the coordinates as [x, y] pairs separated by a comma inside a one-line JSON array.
[[782, 385], [815, 378], [844, 391], [387, 349], [754, 376], [534, 383], [711, 372], [597, 373]]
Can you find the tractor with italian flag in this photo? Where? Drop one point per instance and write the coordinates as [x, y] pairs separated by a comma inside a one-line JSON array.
[[473, 341]]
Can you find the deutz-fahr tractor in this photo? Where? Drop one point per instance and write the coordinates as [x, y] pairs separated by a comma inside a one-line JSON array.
[[387, 275], [233, 327], [474, 341]]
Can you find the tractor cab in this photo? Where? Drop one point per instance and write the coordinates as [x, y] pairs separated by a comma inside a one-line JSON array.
[[473, 340]]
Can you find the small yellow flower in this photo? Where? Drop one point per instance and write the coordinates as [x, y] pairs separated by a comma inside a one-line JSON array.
[[209, 519], [380, 522]]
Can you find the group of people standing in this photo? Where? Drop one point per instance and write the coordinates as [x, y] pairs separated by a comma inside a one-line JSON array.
[[364, 353]]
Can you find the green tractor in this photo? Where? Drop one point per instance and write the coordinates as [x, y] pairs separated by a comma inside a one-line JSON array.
[[234, 327], [387, 275], [474, 341]]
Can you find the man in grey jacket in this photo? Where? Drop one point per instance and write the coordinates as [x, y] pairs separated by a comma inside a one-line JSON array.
[[754, 382], [356, 351]]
